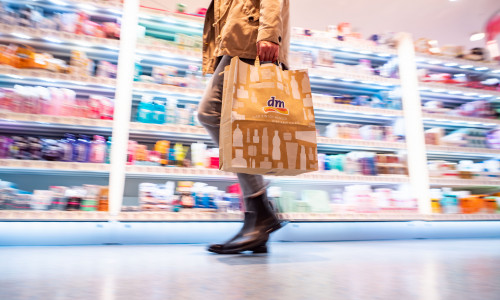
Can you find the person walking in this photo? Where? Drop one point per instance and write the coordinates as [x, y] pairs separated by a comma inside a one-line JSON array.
[[247, 29]]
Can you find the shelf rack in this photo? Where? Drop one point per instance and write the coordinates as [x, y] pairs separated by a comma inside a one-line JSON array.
[[323, 105]]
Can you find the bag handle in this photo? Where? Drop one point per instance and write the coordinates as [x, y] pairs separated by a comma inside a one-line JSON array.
[[257, 63]]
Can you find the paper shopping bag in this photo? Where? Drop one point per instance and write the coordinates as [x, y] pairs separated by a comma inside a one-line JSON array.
[[267, 122]]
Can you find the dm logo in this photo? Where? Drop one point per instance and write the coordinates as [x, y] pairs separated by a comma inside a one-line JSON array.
[[274, 105]]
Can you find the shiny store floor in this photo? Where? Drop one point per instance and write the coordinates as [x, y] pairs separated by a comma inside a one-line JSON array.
[[415, 269]]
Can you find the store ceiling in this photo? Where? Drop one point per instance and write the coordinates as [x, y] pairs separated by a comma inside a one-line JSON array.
[[450, 22]]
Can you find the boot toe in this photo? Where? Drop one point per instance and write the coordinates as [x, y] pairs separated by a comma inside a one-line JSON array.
[[215, 248]]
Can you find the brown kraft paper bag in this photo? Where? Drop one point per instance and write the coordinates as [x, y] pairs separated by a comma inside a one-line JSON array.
[[267, 122]]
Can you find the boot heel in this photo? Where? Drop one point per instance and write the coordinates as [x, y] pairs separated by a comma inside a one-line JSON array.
[[260, 249], [276, 226]]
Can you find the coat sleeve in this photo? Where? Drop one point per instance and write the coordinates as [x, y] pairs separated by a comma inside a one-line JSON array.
[[270, 23]]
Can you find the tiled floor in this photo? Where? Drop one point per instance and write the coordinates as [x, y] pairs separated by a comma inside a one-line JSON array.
[[386, 270]]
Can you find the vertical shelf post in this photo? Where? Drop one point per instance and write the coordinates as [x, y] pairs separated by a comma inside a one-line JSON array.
[[123, 104], [414, 127]]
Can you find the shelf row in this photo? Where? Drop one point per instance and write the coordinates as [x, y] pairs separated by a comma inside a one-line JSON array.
[[327, 177], [88, 82], [212, 216], [58, 37], [89, 5], [362, 47], [47, 167], [199, 133]]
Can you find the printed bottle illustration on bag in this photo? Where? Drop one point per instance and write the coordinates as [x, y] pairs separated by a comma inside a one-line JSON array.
[[275, 105]]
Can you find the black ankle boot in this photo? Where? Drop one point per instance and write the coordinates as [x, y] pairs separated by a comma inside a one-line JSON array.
[[260, 221]]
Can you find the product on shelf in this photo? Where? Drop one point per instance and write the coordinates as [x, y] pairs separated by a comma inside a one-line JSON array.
[[169, 154], [166, 111], [478, 109], [363, 163], [80, 64], [169, 75], [85, 198], [454, 202], [350, 199], [187, 195], [383, 99], [464, 137], [430, 46], [54, 101], [465, 169], [175, 40], [343, 32], [25, 57], [68, 149], [362, 132], [470, 80], [324, 60], [31, 16]]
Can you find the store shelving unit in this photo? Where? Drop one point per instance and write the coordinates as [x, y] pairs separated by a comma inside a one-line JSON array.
[[57, 37], [325, 110], [41, 167], [73, 216], [48, 76]]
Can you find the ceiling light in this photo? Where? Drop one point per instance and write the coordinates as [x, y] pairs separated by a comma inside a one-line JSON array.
[[434, 62], [477, 36], [21, 36], [52, 40], [82, 44], [86, 6], [59, 2]]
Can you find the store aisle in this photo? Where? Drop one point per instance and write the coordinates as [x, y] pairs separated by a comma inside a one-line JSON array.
[[417, 269]]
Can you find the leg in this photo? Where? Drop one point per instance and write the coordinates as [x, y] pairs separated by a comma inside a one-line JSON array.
[[209, 113], [259, 220]]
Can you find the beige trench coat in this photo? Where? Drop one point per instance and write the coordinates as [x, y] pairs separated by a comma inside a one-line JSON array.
[[233, 27]]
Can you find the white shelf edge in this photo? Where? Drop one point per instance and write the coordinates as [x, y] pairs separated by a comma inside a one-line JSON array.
[[63, 36], [169, 51], [324, 103], [193, 215], [362, 45], [169, 128], [444, 117], [108, 4], [215, 173], [462, 150], [184, 215], [53, 215], [464, 182], [442, 87], [77, 80], [170, 14], [335, 73], [360, 143], [458, 61], [155, 87], [53, 165], [60, 120]]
